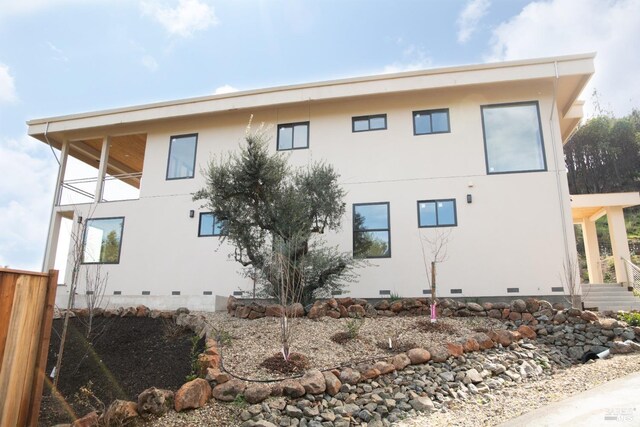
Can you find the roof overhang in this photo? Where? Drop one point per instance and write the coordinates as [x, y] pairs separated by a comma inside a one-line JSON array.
[[593, 206], [570, 73]]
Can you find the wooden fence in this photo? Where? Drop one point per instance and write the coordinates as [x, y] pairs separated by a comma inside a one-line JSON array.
[[26, 314]]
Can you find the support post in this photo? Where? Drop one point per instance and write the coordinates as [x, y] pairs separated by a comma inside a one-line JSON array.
[[592, 251], [619, 242], [102, 169]]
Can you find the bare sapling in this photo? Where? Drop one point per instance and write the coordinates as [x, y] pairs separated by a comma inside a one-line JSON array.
[[571, 281], [95, 286], [290, 292], [435, 254]]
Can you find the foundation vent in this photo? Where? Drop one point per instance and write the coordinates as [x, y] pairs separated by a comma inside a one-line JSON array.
[[385, 292], [207, 293], [175, 292], [513, 290], [456, 291], [146, 292], [117, 292], [557, 289], [427, 292]]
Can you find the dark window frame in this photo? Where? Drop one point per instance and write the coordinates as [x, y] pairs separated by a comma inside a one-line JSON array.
[[216, 220], [388, 229], [430, 112], [484, 136], [455, 213], [84, 240], [368, 119], [195, 155], [292, 126]]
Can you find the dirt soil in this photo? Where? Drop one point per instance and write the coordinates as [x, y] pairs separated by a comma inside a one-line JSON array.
[[121, 358]]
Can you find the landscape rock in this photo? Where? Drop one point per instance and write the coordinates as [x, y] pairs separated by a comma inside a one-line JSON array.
[[257, 392], [527, 332], [422, 404], [349, 376], [292, 388], [384, 367], [418, 356], [332, 383], [439, 353], [454, 349], [274, 310], [89, 420], [313, 382], [400, 361], [227, 392], [154, 402], [119, 413], [518, 305]]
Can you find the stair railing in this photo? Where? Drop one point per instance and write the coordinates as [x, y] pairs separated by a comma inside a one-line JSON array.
[[633, 276]]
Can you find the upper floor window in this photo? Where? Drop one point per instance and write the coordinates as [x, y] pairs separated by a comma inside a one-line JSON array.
[[371, 230], [365, 123], [437, 213], [431, 121], [210, 225], [102, 240], [513, 138], [293, 136], [182, 156]]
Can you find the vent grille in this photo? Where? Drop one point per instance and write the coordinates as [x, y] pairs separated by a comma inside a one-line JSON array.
[[513, 290], [175, 292], [117, 292], [207, 293], [456, 291], [557, 289], [146, 292]]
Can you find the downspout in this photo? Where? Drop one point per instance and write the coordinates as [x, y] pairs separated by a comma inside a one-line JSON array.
[[563, 219]]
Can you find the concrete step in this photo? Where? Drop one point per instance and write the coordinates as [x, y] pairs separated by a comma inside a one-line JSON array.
[[609, 297]]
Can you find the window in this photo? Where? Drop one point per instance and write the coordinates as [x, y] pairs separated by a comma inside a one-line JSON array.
[[513, 138], [293, 136], [431, 121], [209, 225], [371, 232], [437, 213], [365, 123], [182, 156], [102, 240]]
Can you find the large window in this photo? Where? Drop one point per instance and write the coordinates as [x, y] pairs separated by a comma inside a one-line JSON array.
[[293, 136], [437, 213], [182, 156], [513, 138], [209, 225], [371, 232], [102, 240], [431, 121], [365, 123]]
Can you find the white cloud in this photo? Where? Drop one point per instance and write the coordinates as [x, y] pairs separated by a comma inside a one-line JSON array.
[[413, 58], [224, 89], [187, 17], [58, 53], [149, 62], [470, 17], [7, 87], [27, 176], [558, 27]]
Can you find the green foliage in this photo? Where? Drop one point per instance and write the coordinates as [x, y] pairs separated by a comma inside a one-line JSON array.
[[240, 401], [353, 327], [195, 367], [394, 296], [603, 155], [270, 207], [632, 319], [110, 248]]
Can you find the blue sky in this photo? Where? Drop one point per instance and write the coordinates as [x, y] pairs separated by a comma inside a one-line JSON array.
[[66, 56]]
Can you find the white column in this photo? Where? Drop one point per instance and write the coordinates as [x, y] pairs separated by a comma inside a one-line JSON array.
[[102, 169], [54, 221], [619, 242], [592, 250]]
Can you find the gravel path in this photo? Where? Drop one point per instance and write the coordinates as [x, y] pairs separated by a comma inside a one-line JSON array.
[[514, 401]]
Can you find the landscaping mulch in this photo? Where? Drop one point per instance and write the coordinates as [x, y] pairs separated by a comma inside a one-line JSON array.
[[296, 364], [121, 358]]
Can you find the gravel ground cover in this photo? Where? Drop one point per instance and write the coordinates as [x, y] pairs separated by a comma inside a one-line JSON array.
[[511, 402], [252, 341]]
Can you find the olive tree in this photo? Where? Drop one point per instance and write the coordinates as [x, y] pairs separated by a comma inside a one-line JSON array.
[[265, 206]]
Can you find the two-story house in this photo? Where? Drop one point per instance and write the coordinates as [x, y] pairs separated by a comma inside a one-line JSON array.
[[472, 150]]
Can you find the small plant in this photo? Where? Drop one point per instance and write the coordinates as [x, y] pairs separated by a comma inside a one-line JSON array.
[[195, 367], [87, 398], [240, 401], [632, 319], [353, 327], [394, 296], [171, 330]]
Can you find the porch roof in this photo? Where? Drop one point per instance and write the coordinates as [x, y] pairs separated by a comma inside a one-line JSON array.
[[593, 206]]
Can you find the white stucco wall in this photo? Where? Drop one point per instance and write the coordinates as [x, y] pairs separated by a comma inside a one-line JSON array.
[[511, 235]]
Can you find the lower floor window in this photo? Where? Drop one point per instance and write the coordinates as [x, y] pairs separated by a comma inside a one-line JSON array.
[[102, 240], [210, 225], [437, 213], [371, 231]]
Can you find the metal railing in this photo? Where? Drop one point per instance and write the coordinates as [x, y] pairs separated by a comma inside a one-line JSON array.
[[633, 276], [73, 185]]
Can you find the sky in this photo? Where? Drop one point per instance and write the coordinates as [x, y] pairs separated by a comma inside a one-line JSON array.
[[61, 57]]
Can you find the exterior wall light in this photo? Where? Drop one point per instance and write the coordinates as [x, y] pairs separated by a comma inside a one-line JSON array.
[[469, 198], [192, 213]]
